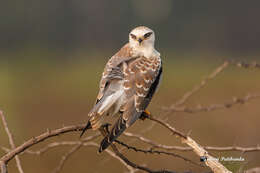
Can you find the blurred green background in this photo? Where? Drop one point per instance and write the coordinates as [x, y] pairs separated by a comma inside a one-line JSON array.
[[52, 54]]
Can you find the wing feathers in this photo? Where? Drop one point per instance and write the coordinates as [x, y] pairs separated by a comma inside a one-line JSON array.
[[128, 84], [141, 80], [103, 106]]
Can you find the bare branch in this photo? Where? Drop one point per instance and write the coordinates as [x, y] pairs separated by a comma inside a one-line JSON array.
[[233, 148], [168, 126], [245, 65], [179, 148], [128, 162], [57, 144], [3, 167], [219, 69], [131, 166], [151, 151], [213, 107], [112, 154], [35, 140], [211, 162], [196, 88], [11, 141], [86, 142], [66, 156]]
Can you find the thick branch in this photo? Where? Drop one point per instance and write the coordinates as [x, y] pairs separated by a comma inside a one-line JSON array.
[[211, 162], [35, 140]]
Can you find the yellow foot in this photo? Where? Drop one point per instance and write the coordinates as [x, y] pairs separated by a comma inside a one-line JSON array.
[[145, 114]]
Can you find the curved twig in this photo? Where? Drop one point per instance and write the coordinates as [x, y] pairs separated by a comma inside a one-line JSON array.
[[213, 107], [11, 141], [35, 140]]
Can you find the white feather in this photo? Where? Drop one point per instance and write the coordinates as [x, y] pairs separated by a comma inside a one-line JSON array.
[[110, 100]]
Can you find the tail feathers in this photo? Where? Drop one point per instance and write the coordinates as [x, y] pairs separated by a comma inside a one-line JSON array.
[[88, 126], [117, 130], [102, 107]]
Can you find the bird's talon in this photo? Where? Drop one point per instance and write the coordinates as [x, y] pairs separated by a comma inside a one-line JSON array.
[[145, 114]]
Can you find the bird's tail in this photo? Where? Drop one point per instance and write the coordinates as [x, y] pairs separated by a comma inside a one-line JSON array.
[[97, 112], [117, 130], [88, 126]]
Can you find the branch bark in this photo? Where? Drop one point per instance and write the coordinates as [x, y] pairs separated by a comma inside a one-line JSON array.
[[180, 148], [211, 162], [11, 141], [35, 140]]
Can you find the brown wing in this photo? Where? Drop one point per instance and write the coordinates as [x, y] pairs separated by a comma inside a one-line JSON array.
[[113, 69], [110, 82], [141, 79]]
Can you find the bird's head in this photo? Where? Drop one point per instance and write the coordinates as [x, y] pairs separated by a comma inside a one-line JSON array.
[[142, 37]]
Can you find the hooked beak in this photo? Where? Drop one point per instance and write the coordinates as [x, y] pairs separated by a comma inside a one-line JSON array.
[[140, 40]]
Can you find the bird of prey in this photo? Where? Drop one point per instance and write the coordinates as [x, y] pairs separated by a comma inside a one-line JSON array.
[[128, 83]]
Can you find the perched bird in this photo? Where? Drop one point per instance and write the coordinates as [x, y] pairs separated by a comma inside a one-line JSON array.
[[128, 83]]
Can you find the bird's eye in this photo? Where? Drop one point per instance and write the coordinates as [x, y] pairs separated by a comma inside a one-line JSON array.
[[133, 36], [147, 34]]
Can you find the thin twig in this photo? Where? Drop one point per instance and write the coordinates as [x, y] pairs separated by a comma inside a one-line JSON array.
[[213, 107], [245, 65], [35, 140], [3, 167], [112, 154], [74, 143], [65, 157], [180, 148], [132, 164], [11, 141], [56, 144], [151, 151], [219, 69], [168, 126], [196, 88]]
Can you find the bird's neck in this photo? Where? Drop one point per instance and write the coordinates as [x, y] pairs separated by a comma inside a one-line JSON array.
[[147, 51]]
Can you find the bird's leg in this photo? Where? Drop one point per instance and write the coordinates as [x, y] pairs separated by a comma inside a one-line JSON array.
[[145, 114]]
